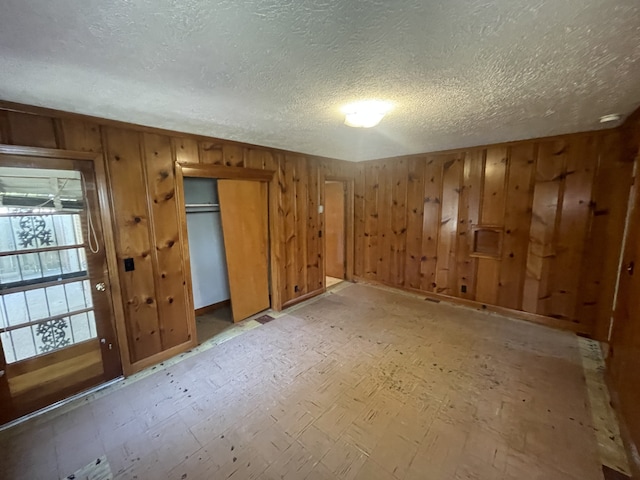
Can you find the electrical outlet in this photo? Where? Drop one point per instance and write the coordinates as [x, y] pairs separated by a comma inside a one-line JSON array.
[[463, 288], [296, 289]]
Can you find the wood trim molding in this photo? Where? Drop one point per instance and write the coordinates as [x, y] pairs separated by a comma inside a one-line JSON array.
[[508, 312], [39, 152], [161, 356], [213, 307], [223, 172], [50, 112], [302, 298]]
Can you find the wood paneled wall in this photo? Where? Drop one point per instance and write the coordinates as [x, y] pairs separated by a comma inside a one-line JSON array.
[[624, 353], [147, 222], [559, 203]]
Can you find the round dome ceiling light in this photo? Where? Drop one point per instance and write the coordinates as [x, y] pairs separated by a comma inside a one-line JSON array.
[[366, 113], [612, 117]]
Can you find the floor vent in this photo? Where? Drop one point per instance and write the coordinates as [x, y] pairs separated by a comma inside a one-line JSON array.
[[264, 319]]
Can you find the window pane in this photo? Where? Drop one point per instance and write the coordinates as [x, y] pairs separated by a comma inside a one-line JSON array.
[[37, 302], [80, 328], [15, 308]]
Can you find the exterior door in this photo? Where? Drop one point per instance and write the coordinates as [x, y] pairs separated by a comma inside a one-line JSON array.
[[56, 331], [243, 207], [335, 233]]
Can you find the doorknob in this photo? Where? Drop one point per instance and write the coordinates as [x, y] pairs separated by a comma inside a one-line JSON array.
[[101, 287]]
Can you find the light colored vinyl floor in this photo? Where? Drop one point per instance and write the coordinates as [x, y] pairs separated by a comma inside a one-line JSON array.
[[362, 383]]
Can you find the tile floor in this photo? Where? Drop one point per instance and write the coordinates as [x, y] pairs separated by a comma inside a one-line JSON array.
[[361, 383]]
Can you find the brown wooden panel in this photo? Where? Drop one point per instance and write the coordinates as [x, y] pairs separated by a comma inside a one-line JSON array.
[[446, 278], [32, 130], [371, 176], [314, 244], [46, 374], [624, 356], [415, 210], [165, 235], [126, 178], [186, 150], [359, 220], [5, 129], [492, 213], [301, 199], [430, 222], [398, 233], [80, 135], [243, 207], [550, 165], [211, 153], [290, 243], [470, 206], [572, 227], [517, 222], [385, 181], [233, 155], [334, 227], [601, 253], [276, 230]]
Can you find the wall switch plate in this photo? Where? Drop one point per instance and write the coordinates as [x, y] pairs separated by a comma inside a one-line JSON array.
[[129, 266], [320, 208]]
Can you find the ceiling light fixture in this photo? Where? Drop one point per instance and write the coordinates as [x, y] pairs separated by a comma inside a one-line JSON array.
[[612, 117], [366, 113]]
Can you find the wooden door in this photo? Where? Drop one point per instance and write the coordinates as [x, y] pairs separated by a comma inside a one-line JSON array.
[[56, 331], [624, 355], [243, 207], [334, 219]]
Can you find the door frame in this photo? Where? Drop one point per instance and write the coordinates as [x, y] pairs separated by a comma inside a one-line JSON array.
[[349, 243], [221, 172], [22, 155]]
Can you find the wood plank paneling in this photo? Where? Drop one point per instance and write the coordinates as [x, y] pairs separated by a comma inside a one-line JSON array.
[[540, 195], [492, 213], [446, 278], [398, 237], [415, 211], [186, 150], [32, 130], [125, 169], [430, 223], [371, 190], [165, 228], [517, 219], [468, 215]]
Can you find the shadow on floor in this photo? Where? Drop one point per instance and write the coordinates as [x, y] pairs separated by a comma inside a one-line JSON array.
[[210, 324]]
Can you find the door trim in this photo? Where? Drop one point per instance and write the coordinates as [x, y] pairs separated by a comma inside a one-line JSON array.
[[349, 245], [20, 153], [222, 172]]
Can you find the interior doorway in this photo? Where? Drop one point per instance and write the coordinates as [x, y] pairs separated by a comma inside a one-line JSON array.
[[209, 276], [57, 336], [338, 231], [227, 232]]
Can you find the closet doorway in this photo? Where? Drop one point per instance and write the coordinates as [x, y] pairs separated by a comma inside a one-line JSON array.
[[227, 227], [338, 230]]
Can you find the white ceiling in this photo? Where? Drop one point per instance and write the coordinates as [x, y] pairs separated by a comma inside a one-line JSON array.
[[275, 73]]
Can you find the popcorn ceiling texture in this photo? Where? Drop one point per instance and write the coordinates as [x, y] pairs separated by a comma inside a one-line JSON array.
[[275, 73]]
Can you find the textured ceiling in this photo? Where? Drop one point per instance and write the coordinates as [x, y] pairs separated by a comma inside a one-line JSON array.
[[460, 72]]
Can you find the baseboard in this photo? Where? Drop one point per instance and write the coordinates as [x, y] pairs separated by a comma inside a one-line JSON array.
[[302, 298], [211, 308], [519, 314]]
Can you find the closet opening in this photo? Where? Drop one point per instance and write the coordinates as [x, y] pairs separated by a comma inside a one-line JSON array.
[[209, 276], [227, 244]]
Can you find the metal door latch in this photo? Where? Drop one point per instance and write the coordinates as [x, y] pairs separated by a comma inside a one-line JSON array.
[[101, 287], [104, 341]]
